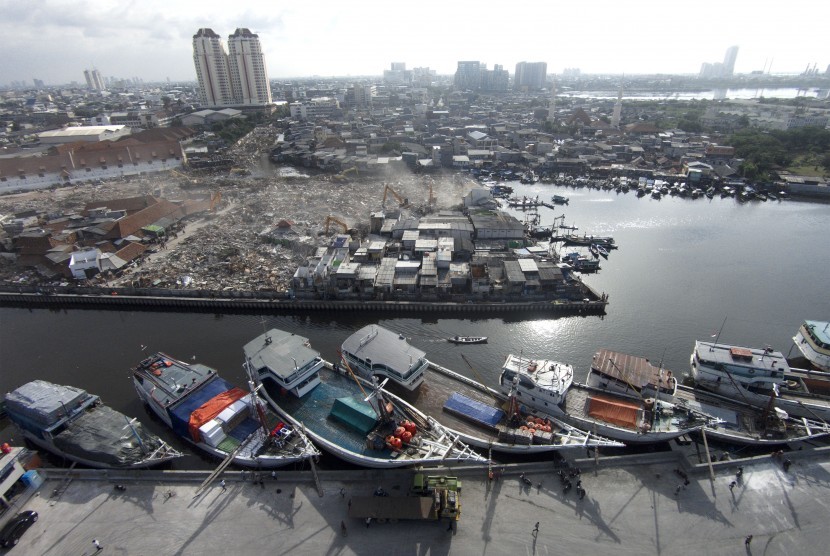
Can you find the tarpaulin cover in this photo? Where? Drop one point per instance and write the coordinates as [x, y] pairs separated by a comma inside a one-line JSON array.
[[354, 413], [211, 408], [43, 402], [192, 400], [614, 411], [473, 410]]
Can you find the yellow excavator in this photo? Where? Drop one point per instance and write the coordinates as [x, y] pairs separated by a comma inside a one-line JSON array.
[[332, 220], [344, 175], [403, 202]]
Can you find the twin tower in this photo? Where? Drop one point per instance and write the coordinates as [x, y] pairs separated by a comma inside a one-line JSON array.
[[236, 77]]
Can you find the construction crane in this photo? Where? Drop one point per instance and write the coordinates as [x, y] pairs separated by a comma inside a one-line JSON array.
[[330, 219], [403, 202]]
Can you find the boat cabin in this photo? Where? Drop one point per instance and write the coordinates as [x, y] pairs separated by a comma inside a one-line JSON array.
[[538, 383], [286, 358], [376, 351], [745, 365]]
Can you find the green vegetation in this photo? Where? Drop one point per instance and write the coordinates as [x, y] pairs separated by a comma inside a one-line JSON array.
[[235, 128], [802, 151]]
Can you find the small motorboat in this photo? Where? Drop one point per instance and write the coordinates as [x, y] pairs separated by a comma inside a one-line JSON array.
[[468, 339]]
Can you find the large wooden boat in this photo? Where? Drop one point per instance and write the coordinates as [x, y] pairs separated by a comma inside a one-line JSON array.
[[483, 417], [549, 386], [216, 417], [352, 418], [76, 425], [729, 420]]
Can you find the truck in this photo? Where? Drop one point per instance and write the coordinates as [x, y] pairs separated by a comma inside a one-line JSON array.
[[431, 498]]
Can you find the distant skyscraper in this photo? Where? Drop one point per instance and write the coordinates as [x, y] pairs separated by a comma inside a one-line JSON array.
[[729, 61], [552, 102], [246, 67], [615, 117], [468, 76], [94, 80], [212, 68], [530, 76]]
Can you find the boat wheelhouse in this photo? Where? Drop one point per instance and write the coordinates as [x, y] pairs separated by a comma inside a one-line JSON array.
[[755, 369], [813, 341], [285, 358], [541, 383], [377, 351]]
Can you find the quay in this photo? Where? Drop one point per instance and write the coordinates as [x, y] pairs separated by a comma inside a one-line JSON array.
[[272, 302], [634, 505]]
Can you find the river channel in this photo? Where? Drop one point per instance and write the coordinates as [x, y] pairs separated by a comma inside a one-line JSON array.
[[684, 269]]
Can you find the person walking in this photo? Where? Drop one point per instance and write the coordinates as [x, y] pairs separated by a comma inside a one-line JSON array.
[[747, 540], [343, 528], [786, 465], [223, 485], [342, 493], [732, 485], [535, 530], [97, 545]]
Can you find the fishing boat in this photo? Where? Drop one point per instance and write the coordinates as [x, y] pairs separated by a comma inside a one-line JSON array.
[[752, 375], [813, 341], [376, 351], [560, 200], [78, 426], [594, 250], [549, 386], [350, 417], [601, 250], [729, 420], [468, 339], [483, 417], [220, 419]]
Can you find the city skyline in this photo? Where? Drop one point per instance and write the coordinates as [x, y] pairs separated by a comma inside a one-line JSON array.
[[55, 40]]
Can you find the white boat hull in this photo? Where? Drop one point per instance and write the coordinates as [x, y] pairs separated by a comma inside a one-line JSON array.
[[810, 352]]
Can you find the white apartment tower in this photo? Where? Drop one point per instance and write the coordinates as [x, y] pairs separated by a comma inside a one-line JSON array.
[[246, 65], [211, 63], [94, 80]]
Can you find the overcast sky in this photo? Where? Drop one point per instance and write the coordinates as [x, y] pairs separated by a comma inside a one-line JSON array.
[[56, 40]]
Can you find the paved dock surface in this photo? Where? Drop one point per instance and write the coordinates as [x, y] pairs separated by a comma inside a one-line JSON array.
[[627, 510]]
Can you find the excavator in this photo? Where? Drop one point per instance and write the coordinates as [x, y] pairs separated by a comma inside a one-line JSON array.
[[331, 219], [402, 201], [344, 175]]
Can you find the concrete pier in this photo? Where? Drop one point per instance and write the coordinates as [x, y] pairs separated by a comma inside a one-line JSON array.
[[634, 505]]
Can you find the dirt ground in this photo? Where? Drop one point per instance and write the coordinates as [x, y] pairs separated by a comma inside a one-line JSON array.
[[240, 246]]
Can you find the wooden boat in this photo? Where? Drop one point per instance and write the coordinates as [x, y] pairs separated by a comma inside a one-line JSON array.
[[602, 251], [548, 386], [216, 417], [752, 375], [730, 420], [484, 418], [352, 418], [468, 339], [77, 426]]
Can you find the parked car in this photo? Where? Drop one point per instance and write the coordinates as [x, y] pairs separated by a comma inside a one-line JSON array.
[[15, 528]]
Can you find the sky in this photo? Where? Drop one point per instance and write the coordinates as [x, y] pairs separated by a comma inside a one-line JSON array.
[[55, 40]]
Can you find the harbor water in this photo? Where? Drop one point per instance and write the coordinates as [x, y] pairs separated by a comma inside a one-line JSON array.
[[684, 270]]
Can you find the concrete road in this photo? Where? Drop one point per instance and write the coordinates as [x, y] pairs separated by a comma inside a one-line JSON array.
[[627, 510]]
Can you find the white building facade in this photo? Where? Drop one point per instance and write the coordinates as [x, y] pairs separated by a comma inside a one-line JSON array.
[[211, 63], [246, 64]]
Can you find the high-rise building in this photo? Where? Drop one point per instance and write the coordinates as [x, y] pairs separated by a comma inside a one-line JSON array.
[[94, 80], [211, 63], [617, 114], [468, 76], [729, 61], [231, 78], [246, 68], [530, 76]]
